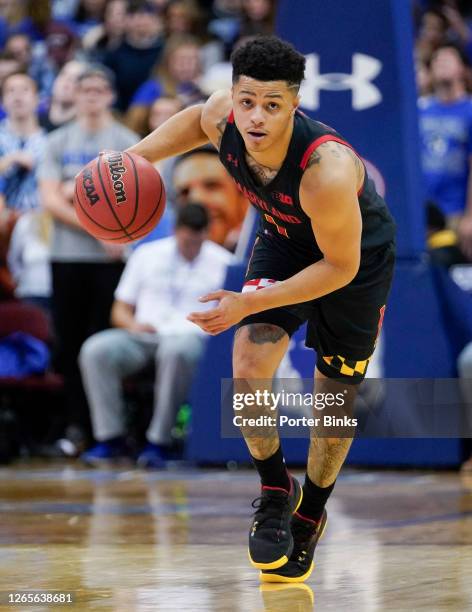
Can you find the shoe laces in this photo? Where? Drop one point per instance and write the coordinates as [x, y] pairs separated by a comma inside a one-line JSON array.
[[269, 506]]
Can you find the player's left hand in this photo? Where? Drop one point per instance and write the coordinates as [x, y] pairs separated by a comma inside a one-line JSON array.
[[230, 310]]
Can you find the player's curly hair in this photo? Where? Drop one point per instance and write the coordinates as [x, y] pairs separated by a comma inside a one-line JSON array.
[[268, 58]]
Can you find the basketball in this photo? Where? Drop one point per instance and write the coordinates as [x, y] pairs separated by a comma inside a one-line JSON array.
[[119, 197]]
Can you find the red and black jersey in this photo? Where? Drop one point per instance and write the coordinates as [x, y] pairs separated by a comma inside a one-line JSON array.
[[283, 224]]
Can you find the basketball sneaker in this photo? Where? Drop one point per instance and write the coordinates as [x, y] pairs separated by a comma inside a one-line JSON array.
[[306, 535], [270, 538]]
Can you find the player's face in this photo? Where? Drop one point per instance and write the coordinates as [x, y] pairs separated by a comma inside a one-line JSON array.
[[202, 178], [263, 111]]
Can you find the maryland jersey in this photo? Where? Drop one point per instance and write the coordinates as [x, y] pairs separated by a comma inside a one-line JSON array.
[[283, 223]]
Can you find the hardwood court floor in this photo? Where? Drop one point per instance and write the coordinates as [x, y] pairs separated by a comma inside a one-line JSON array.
[[133, 540]]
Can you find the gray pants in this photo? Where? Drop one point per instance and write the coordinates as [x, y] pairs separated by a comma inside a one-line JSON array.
[[110, 356]]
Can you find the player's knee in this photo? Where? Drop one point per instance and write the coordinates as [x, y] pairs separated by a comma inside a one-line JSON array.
[[250, 366], [251, 350]]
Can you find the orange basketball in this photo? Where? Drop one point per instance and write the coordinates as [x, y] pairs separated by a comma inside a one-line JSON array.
[[119, 197]]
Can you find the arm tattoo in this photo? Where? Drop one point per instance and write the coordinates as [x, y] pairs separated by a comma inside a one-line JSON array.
[[338, 150], [315, 158], [220, 126]]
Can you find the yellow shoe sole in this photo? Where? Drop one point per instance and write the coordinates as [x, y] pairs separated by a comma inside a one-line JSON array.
[[289, 579], [282, 560]]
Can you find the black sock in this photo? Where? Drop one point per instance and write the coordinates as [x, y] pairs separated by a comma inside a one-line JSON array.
[[273, 471], [314, 500]]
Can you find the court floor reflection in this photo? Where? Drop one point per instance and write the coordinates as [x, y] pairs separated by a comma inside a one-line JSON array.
[[130, 540]]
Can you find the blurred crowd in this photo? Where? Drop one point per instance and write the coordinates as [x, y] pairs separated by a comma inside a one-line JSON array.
[[80, 76], [443, 60]]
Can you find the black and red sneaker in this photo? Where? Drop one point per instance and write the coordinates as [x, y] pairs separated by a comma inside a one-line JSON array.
[[270, 538], [306, 534]]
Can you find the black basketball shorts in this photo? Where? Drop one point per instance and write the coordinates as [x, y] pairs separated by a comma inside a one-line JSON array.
[[342, 326]]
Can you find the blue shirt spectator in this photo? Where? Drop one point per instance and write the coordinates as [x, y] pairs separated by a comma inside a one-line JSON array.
[[22, 143], [446, 130]]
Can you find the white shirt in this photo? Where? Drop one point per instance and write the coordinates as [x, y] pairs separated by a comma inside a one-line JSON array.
[[164, 287], [28, 258]]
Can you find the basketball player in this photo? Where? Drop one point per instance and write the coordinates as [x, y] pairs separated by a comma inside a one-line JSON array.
[[324, 254]]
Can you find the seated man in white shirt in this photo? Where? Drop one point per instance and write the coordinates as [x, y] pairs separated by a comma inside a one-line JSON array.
[[160, 285]]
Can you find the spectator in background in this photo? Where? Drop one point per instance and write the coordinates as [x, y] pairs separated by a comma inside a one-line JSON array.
[[443, 245], [446, 131], [20, 47], [133, 60], [108, 35], [423, 79], [64, 10], [22, 143], [187, 17], [61, 107], [160, 111], [36, 18], [459, 29], [226, 22], [85, 271], [176, 74], [8, 65], [11, 18], [61, 45], [28, 258], [89, 13], [432, 35], [161, 284], [199, 176], [183, 17], [257, 17]]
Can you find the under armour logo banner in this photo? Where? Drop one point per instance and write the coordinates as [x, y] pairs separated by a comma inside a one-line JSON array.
[[364, 93]]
